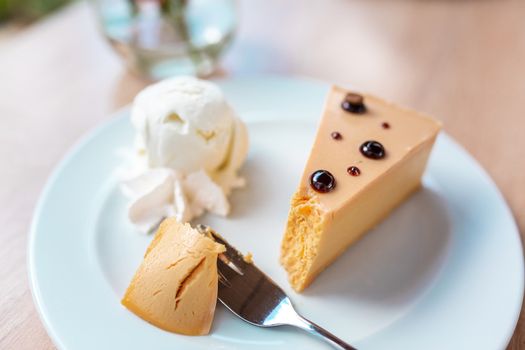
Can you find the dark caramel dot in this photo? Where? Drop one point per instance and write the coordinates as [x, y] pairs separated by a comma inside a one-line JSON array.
[[385, 125], [354, 103], [336, 135], [353, 170], [372, 149], [322, 181]]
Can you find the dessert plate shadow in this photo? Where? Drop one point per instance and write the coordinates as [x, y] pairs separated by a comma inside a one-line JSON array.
[[446, 262]]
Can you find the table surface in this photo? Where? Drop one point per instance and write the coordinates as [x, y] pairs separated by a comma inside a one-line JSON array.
[[462, 61]]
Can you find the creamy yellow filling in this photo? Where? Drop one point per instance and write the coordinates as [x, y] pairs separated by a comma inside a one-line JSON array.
[[301, 239]]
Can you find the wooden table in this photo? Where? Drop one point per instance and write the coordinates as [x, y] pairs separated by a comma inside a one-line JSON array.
[[462, 61]]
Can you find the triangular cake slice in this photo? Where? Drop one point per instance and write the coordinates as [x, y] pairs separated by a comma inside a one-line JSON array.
[[175, 287], [368, 156]]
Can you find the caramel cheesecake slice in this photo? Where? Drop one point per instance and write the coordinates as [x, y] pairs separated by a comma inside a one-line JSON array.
[[175, 287], [368, 156]]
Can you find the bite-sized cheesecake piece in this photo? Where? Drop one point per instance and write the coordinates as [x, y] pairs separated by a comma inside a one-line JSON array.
[[175, 287], [368, 156]]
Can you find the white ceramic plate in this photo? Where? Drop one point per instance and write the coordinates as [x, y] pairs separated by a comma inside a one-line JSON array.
[[444, 271]]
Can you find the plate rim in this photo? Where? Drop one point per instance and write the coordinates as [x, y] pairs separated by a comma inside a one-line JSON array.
[[52, 178]]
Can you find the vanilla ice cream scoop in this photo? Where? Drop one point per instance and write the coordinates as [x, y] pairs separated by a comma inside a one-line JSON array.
[[184, 124], [187, 131]]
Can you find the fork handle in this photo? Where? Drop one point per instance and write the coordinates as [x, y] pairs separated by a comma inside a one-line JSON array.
[[314, 329]]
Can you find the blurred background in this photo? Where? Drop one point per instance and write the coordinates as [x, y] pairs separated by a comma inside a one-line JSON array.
[[27, 11], [65, 66]]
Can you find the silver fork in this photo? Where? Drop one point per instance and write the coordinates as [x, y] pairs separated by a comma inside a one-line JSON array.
[[255, 298]]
